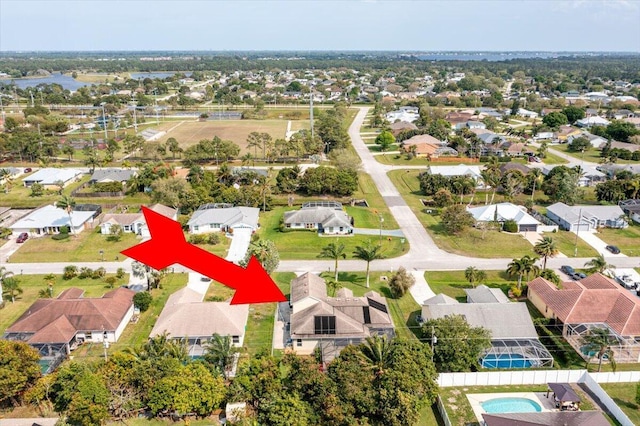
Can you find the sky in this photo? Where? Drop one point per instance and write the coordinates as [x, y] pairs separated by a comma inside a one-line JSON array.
[[473, 25]]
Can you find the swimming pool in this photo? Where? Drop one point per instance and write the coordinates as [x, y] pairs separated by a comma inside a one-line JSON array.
[[511, 405], [506, 361], [587, 351]]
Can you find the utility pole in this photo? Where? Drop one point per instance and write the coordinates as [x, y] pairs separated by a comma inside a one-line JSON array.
[[311, 113], [135, 107], [434, 340], [575, 250]]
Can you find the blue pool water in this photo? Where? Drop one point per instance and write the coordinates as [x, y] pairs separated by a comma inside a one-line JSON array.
[[511, 405], [506, 361], [587, 351]]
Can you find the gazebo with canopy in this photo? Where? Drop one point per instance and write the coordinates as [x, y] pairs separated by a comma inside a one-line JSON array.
[[564, 396]]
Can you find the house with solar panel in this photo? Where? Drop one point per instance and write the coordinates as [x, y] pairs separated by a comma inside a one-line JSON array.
[[318, 321]]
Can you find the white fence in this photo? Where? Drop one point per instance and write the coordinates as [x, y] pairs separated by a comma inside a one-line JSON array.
[[540, 377], [443, 411], [505, 378], [606, 400]]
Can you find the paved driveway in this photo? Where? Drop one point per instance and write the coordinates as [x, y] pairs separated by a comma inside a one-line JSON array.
[[239, 245], [598, 244]]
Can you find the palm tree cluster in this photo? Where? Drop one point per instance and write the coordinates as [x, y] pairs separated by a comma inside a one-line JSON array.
[[525, 266]]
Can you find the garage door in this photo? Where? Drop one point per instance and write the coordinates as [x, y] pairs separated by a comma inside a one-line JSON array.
[[580, 228], [529, 228]]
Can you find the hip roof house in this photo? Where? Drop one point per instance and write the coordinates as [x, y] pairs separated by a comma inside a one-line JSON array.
[[49, 219], [331, 323], [586, 218], [505, 211], [223, 217], [325, 216]]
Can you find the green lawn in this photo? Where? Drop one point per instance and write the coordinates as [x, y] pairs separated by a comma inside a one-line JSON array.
[[453, 283], [566, 243], [259, 336], [628, 239], [85, 247], [401, 160], [308, 245], [31, 286], [624, 395], [366, 217], [551, 158], [592, 154]]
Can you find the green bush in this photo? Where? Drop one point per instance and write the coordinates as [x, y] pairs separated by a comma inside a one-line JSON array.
[[510, 226], [213, 238], [60, 237], [98, 273], [70, 271], [198, 238], [142, 300], [85, 273]]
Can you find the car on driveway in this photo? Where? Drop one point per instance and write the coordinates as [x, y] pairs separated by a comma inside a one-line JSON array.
[[567, 270], [613, 249], [27, 170], [575, 276], [22, 237], [582, 275]]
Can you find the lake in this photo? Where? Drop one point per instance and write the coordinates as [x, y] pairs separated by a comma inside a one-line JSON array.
[[65, 81], [161, 75]]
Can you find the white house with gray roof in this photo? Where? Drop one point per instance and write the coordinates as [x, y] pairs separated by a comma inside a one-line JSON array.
[[223, 217], [50, 177], [586, 218], [49, 219], [326, 217], [502, 212], [514, 340], [112, 175]]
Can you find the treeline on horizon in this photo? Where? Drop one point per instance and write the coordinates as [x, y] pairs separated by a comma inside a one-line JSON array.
[[606, 65]]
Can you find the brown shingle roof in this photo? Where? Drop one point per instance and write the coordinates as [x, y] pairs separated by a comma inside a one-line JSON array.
[[591, 300], [307, 285], [51, 319]]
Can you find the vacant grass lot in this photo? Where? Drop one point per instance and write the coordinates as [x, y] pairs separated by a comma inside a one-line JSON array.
[[592, 154], [624, 395], [83, 248], [31, 286], [189, 133], [308, 244], [368, 217], [628, 239]]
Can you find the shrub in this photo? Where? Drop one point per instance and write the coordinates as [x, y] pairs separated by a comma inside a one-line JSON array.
[[111, 281], [120, 273], [98, 273], [69, 272], [510, 226], [60, 237], [516, 291], [401, 282], [64, 229], [213, 239], [215, 299], [142, 300], [198, 238], [85, 273]]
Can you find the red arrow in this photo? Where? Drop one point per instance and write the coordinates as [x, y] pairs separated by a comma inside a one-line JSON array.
[[167, 246]]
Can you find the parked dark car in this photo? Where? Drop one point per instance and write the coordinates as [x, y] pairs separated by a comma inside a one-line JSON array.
[[567, 270], [582, 275], [22, 237], [27, 170], [575, 276], [613, 249]]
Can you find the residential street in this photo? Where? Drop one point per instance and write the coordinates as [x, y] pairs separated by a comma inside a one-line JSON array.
[[422, 255]]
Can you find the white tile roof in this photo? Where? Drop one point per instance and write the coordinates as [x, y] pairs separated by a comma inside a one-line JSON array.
[[505, 211], [51, 216], [50, 176]]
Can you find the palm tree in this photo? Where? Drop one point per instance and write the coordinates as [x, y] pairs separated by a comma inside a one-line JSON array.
[[219, 351], [333, 251], [474, 275], [11, 286], [376, 353], [598, 264], [546, 248], [4, 274], [599, 340], [523, 267], [368, 253], [67, 203], [535, 175], [333, 286], [492, 176]]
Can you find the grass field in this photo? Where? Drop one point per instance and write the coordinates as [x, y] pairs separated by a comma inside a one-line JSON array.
[[307, 244], [189, 133], [628, 239], [566, 243], [453, 283], [624, 395], [31, 286], [83, 248], [592, 154]]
